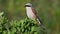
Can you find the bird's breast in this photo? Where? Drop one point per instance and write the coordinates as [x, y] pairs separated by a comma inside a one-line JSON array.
[[30, 14]]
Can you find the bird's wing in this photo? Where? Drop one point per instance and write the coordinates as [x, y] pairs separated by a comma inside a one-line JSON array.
[[38, 19], [34, 11]]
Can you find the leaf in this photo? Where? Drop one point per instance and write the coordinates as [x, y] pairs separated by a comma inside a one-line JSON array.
[[1, 13]]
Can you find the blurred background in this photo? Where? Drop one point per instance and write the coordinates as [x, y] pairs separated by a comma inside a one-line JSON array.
[[48, 11]]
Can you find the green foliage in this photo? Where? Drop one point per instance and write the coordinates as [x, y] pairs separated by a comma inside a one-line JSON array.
[[25, 26], [48, 10]]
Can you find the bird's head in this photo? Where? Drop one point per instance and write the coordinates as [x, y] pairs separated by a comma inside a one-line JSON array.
[[28, 5]]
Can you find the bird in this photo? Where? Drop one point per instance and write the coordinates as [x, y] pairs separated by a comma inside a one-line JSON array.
[[32, 14]]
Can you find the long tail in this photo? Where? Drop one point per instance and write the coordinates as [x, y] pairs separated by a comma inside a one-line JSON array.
[[42, 26], [41, 23]]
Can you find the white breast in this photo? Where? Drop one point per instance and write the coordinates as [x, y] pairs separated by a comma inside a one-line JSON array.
[[30, 14]]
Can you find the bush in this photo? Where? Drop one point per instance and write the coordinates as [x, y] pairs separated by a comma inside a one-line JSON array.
[[25, 26]]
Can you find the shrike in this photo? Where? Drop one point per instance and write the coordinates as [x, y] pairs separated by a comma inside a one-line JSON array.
[[32, 14]]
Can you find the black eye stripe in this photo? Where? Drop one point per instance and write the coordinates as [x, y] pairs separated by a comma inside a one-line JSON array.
[[27, 6]]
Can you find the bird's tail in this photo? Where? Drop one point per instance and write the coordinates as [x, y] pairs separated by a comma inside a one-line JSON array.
[[41, 24]]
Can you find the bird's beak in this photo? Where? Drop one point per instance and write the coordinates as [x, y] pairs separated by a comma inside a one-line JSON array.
[[25, 6]]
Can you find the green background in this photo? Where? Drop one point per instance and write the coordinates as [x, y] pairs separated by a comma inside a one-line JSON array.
[[48, 11]]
